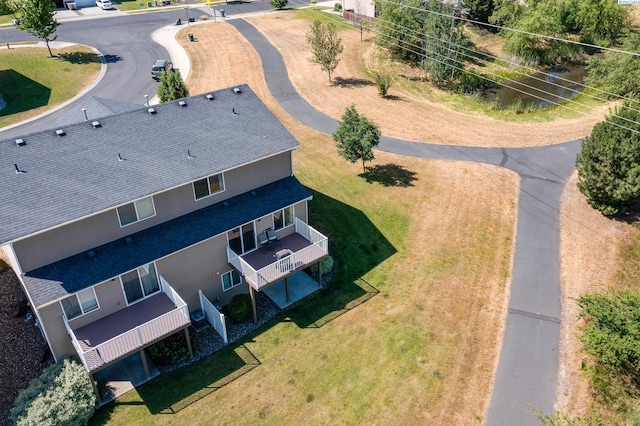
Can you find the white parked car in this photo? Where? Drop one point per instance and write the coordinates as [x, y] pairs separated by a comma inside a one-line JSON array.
[[104, 4]]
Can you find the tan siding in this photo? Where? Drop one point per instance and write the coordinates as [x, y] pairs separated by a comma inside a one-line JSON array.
[[59, 340], [110, 299], [80, 236]]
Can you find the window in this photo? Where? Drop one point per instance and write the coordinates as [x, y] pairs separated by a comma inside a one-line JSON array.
[[283, 218], [136, 211], [230, 279], [140, 283], [242, 239], [208, 186], [80, 303]]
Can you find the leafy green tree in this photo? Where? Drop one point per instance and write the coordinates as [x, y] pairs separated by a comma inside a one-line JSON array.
[[401, 28], [36, 17], [171, 86], [6, 7], [609, 163], [444, 44], [356, 137], [506, 12], [325, 45], [62, 395], [603, 19], [279, 4], [478, 10], [615, 72], [540, 17]]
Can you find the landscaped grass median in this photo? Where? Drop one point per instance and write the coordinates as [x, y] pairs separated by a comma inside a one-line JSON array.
[[32, 82]]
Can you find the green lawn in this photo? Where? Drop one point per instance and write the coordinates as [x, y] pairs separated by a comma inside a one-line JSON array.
[[406, 331], [32, 82]]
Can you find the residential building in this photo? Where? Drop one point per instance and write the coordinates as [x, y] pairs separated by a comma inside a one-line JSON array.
[[120, 228]]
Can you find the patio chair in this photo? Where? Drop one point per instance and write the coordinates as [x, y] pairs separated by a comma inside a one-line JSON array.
[[263, 239], [271, 235]]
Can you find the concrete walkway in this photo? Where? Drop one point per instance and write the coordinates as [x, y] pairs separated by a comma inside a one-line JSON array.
[[528, 366]]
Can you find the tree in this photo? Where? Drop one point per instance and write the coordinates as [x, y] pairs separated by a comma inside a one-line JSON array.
[[478, 10], [401, 30], [604, 19], [325, 45], [616, 72], [6, 7], [356, 137], [279, 4], [36, 17], [171, 86], [609, 163], [62, 395]]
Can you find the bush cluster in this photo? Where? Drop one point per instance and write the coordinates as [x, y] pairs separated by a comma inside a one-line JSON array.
[[239, 307], [327, 265], [62, 395], [171, 350]]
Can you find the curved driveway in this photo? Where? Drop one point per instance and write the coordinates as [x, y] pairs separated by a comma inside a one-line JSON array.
[[528, 366]]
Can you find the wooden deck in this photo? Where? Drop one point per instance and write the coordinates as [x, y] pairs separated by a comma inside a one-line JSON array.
[[124, 332]]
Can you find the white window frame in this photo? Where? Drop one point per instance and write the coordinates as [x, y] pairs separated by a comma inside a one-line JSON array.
[[231, 280], [135, 206], [82, 311], [222, 186], [144, 296], [284, 225]]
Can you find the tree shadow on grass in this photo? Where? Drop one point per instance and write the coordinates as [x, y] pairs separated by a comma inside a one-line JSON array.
[[21, 93], [389, 175], [80, 58], [351, 82]]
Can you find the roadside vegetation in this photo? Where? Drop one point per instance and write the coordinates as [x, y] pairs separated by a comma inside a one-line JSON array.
[[32, 82]]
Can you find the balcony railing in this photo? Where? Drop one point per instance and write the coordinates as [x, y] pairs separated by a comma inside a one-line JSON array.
[[280, 268], [100, 355]]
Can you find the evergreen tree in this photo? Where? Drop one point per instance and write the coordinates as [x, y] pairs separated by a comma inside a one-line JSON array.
[[609, 163], [171, 86], [325, 45], [356, 137], [279, 4], [36, 17], [478, 10]]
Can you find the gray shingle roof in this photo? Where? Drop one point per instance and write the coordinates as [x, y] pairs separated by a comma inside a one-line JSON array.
[[72, 176], [96, 107], [72, 274]]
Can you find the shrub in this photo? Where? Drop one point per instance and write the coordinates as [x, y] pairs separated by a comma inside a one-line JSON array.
[[279, 4], [327, 265], [383, 83], [62, 395], [171, 350], [337, 7], [239, 307], [3, 265]]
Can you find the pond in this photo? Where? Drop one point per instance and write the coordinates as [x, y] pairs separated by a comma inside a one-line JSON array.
[[546, 87]]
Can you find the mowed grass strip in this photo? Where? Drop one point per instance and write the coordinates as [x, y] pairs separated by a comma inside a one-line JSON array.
[[421, 351], [32, 82]]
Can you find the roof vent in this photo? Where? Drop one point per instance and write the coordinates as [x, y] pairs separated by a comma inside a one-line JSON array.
[[237, 90], [128, 240], [60, 132], [84, 111], [91, 253], [189, 154], [254, 193], [210, 96], [234, 111], [151, 110], [18, 171], [95, 124], [20, 142], [182, 103], [120, 157], [225, 203]]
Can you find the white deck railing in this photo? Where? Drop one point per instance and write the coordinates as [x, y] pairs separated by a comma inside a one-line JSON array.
[[136, 338], [282, 267]]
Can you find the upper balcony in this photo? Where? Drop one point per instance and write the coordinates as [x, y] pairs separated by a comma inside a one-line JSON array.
[[268, 265], [131, 329]]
